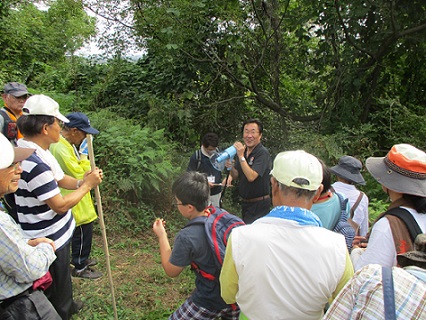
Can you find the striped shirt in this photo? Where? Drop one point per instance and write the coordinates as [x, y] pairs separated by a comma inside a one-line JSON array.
[[36, 185], [362, 297]]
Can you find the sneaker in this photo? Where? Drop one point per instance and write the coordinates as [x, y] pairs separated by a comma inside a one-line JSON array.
[[86, 273], [91, 262]]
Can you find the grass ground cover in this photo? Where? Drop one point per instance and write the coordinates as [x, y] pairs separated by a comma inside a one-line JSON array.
[[142, 289]]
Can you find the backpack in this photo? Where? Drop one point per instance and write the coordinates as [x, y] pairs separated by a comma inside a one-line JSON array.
[[10, 128], [343, 226], [218, 226], [404, 228], [198, 157]]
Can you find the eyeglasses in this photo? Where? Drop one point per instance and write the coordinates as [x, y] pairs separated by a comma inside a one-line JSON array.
[[59, 122], [175, 203], [21, 98], [252, 132], [15, 165]]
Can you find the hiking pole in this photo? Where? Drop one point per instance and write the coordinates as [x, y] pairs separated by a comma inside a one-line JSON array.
[[102, 223]]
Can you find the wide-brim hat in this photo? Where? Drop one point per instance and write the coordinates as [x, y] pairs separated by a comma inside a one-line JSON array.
[[417, 257], [349, 168], [80, 121], [402, 170], [12, 154]]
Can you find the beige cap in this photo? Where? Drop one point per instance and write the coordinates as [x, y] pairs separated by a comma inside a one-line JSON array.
[[292, 165]]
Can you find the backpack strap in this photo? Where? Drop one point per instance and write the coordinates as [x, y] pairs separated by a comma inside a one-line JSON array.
[[408, 219], [356, 204], [201, 221], [10, 128], [388, 293], [198, 158]]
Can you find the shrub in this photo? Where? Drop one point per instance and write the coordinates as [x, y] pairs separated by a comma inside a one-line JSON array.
[[137, 161]]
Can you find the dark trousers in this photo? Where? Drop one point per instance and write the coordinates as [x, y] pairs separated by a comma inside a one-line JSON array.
[[33, 306], [81, 245], [60, 292], [252, 211]]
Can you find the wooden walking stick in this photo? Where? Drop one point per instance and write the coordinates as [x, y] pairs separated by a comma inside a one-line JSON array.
[[102, 223]]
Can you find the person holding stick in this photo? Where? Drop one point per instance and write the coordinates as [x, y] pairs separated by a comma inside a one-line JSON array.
[[41, 209], [76, 164]]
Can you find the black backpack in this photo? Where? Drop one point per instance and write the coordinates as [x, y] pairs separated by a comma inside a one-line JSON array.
[[10, 128]]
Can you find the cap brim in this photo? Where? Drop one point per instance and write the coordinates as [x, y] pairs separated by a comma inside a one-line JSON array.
[[356, 178], [62, 117], [22, 153], [89, 130], [393, 180], [18, 94]]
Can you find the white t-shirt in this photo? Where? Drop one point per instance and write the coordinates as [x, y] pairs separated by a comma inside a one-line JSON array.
[[361, 212], [381, 246]]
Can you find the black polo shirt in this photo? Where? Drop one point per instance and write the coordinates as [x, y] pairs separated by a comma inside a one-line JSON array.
[[260, 161]]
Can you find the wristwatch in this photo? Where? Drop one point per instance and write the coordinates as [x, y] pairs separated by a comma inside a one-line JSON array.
[[242, 159]]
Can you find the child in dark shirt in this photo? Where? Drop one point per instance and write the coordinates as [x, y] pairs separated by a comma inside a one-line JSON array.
[[191, 191]]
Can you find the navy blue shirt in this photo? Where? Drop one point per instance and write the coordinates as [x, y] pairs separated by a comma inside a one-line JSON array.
[[207, 168], [191, 245]]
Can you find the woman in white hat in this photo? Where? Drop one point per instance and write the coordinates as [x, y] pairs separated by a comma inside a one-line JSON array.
[[22, 261], [402, 174]]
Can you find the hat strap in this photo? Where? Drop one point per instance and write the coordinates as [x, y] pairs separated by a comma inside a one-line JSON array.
[[402, 171]]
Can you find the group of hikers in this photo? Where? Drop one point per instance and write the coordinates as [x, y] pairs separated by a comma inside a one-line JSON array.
[[303, 248], [313, 255]]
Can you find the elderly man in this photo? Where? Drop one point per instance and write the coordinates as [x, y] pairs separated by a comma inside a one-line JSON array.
[[41, 209], [75, 165], [22, 261], [14, 96], [284, 266]]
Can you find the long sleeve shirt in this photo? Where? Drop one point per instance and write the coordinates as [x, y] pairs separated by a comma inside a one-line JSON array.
[[20, 263]]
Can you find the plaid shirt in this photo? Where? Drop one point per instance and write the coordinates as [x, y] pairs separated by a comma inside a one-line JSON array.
[[20, 263], [362, 297]]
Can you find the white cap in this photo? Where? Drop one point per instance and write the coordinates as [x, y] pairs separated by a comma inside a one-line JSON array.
[[291, 165], [39, 104], [10, 154]]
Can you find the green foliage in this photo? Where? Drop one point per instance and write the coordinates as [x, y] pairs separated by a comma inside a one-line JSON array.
[[375, 208], [137, 161], [32, 39]]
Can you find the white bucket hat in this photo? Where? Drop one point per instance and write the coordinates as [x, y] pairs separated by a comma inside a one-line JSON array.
[[10, 154]]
